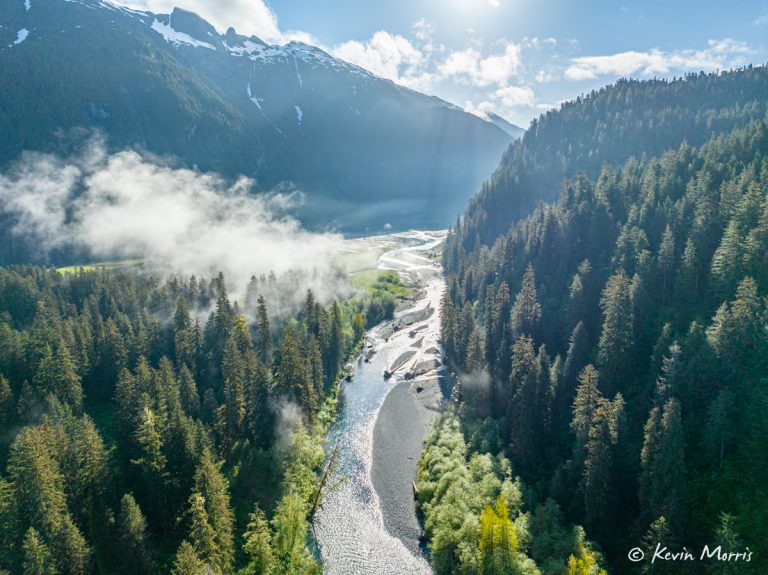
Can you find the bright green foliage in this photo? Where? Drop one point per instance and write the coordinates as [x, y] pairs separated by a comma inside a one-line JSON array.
[[585, 564], [290, 528], [293, 380], [498, 540], [37, 557], [152, 460], [187, 561], [466, 534], [258, 545]]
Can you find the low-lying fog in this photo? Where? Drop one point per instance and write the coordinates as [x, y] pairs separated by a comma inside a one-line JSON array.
[[179, 221]]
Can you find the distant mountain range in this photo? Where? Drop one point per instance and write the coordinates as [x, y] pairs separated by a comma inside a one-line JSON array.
[[365, 151]]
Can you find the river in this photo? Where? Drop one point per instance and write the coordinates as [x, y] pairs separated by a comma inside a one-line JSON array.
[[367, 524]]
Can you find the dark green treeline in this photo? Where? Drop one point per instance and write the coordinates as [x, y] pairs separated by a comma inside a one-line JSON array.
[[615, 341], [156, 427]]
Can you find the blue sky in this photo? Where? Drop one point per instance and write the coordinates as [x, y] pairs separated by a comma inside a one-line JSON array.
[[514, 57]]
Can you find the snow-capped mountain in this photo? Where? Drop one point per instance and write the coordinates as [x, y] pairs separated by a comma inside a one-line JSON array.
[[364, 150]]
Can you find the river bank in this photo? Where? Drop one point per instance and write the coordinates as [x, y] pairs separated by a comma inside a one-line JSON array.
[[368, 524]]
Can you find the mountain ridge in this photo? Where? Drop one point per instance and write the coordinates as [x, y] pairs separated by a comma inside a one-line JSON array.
[[365, 151]]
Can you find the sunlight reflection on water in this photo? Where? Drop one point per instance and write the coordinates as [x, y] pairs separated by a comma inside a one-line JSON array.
[[349, 526]]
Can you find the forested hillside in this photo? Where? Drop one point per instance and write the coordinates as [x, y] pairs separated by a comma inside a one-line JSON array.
[[614, 343], [156, 427], [629, 118]]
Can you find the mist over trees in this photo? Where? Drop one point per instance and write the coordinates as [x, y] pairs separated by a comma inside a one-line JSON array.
[[624, 325]]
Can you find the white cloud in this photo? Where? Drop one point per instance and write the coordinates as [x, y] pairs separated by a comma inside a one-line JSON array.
[[515, 96], [418, 64], [762, 20], [542, 76], [480, 109], [390, 56], [539, 43], [504, 101], [495, 3], [470, 67], [719, 54], [422, 29], [249, 17], [421, 66]]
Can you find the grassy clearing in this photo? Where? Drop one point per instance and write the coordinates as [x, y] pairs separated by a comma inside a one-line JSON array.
[[380, 283], [101, 265]]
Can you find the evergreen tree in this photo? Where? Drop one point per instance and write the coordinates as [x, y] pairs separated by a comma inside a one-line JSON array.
[[475, 353], [658, 534], [293, 381], [37, 557], [334, 352], [56, 375], [587, 400], [289, 526], [7, 403], [727, 536], [9, 523], [662, 481], [617, 335], [727, 262], [134, 551], [152, 461], [526, 311], [187, 561], [233, 373], [665, 261], [186, 344], [202, 535], [41, 500], [257, 544], [188, 395], [259, 415], [599, 476], [575, 360], [214, 489]]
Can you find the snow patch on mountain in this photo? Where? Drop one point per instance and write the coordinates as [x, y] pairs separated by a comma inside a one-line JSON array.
[[299, 114], [253, 98], [28, 5], [21, 35], [298, 75], [178, 38], [248, 47]]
